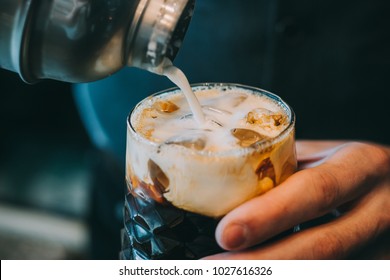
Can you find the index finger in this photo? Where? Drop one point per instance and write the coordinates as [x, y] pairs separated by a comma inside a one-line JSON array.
[[307, 194]]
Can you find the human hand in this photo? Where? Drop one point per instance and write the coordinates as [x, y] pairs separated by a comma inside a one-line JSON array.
[[352, 177]]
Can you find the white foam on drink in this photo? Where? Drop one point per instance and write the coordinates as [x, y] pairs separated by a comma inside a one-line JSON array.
[[224, 108]]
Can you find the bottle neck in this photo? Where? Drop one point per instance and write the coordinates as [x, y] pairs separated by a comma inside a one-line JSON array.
[[157, 32], [85, 40]]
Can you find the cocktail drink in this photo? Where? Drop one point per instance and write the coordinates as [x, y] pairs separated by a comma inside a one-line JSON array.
[[182, 176]]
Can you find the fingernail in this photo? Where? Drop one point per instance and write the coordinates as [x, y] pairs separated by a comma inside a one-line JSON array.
[[235, 235]]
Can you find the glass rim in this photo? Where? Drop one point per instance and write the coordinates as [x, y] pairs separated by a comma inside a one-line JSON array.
[[236, 151]]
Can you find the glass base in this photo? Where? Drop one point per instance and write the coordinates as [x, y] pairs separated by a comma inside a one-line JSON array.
[[154, 231]]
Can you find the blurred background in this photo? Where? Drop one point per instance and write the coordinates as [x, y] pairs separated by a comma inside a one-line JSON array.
[[45, 159]]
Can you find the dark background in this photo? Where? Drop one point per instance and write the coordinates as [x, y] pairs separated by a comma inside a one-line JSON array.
[[45, 156]]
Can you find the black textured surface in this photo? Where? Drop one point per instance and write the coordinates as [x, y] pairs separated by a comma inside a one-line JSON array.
[[154, 231]]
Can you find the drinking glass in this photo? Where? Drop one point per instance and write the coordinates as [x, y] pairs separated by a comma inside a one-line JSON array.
[[155, 228]]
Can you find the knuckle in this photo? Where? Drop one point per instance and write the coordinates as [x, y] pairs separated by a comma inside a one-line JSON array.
[[326, 189], [382, 158], [378, 155]]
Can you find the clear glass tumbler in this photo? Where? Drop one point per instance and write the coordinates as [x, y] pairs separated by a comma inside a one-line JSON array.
[[177, 191]]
